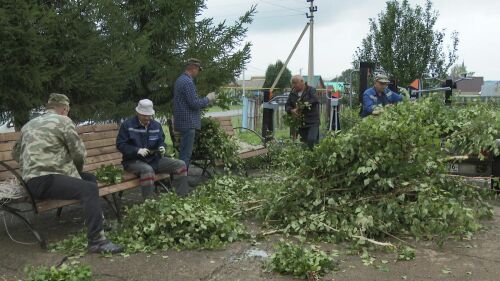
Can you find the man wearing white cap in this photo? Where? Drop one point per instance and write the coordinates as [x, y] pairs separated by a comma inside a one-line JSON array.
[[141, 140], [378, 96]]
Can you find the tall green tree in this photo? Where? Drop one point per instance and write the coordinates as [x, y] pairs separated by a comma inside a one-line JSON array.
[[404, 42], [106, 55], [173, 33], [271, 74], [92, 55], [458, 71], [22, 64]]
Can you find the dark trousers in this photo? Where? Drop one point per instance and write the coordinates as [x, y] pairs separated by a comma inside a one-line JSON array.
[[63, 187], [309, 135]]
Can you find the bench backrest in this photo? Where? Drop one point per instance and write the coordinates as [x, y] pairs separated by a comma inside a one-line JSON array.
[[99, 140], [226, 124]]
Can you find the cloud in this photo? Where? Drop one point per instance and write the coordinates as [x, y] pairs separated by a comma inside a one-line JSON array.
[[341, 25]]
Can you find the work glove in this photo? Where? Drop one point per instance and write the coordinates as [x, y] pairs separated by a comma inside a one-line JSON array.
[[143, 152], [162, 150], [211, 97]]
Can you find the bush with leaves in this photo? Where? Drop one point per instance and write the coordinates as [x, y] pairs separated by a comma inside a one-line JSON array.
[[73, 272], [109, 174], [212, 143], [301, 261], [384, 177], [349, 117], [297, 120]]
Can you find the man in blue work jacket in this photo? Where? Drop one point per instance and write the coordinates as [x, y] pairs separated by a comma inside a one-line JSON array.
[[141, 140], [378, 96], [187, 108]]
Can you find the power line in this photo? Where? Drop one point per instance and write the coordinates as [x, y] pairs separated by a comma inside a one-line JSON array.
[[281, 6]]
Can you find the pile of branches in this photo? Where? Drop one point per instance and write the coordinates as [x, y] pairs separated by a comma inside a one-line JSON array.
[[386, 177], [212, 143]]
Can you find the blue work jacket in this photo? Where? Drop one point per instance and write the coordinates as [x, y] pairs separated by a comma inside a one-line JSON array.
[[371, 100], [133, 136]]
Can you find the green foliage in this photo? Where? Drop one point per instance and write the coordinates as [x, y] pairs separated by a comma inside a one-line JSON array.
[[301, 261], [65, 272], [349, 117], [213, 143], [23, 65], [406, 254], [106, 55], [297, 121], [206, 219], [109, 174], [225, 100], [458, 71], [384, 177], [76, 245], [271, 74], [171, 222], [391, 42]]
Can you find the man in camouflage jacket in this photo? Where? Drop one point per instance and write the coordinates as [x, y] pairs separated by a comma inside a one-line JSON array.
[[51, 156]]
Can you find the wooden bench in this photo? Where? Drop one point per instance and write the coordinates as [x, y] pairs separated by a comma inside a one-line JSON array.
[[100, 142], [245, 150]]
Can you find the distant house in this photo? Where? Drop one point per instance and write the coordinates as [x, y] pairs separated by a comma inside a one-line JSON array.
[[470, 85], [491, 89], [317, 81], [255, 82]]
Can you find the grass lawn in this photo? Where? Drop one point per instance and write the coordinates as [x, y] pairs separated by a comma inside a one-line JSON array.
[[218, 109]]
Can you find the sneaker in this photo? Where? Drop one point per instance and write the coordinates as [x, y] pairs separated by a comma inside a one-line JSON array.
[[104, 246]]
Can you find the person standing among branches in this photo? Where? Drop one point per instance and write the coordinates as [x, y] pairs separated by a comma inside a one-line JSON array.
[[187, 108], [378, 96], [304, 103]]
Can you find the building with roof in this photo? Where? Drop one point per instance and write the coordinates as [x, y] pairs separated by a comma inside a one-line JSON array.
[[317, 81], [491, 89], [470, 85]]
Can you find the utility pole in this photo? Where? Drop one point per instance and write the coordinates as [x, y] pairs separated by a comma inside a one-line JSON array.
[[310, 71], [289, 57]]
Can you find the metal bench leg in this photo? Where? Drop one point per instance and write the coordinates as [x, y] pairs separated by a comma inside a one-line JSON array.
[[58, 213], [162, 186], [118, 204], [38, 236], [113, 206]]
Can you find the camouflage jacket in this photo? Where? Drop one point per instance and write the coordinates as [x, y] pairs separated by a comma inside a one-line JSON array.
[[49, 144]]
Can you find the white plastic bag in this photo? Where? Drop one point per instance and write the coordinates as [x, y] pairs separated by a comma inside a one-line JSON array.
[[11, 189]]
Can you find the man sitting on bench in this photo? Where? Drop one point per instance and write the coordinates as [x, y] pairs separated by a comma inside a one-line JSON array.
[[142, 142], [51, 155]]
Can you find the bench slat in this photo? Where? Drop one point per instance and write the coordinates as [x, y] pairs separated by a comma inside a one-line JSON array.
[[97, 136], [97, 128], [9, 136], [7, 146], [95, 166], [253, 153], [101, 150], [48, 205], [102, 158], [100, 143]]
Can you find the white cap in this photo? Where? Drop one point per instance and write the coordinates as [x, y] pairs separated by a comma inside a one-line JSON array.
[[145, 107]]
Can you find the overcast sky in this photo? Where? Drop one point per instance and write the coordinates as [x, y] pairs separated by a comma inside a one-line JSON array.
[[341, 25]]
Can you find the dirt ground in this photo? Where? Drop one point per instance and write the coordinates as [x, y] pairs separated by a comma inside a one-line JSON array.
[[477, 259]]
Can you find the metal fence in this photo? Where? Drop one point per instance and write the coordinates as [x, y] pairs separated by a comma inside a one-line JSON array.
[[252, 109]]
